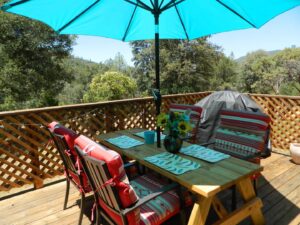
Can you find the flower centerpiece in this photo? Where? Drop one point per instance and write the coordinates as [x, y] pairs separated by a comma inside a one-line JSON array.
[[176, 126]]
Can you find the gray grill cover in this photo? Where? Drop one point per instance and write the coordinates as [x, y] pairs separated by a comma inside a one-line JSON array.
[[217, 101]]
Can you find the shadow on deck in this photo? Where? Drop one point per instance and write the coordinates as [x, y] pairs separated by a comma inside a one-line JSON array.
[[279, 188]]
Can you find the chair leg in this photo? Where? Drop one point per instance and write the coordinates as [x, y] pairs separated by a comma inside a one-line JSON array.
[[233, 198], [255, 184], [182, 217], [82, 204], [67, 193]]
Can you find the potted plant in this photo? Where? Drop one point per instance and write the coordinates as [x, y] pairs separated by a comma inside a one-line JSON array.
[[295, 152], [176, 126]]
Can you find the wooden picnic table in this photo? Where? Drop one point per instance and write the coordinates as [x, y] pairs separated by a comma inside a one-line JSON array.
[[205, 182]]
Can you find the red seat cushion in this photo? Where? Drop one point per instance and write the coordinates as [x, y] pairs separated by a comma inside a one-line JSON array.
[[195, 116], [115, 167], [155, 211], [70, 137], [161, 208]]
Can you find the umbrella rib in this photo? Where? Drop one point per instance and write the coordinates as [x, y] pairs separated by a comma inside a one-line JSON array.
[[171, 4], [236, 13], [126, 32], [77, 16], [181, 21], [6, 7], [152, 4], [139, 4], [161, 3]]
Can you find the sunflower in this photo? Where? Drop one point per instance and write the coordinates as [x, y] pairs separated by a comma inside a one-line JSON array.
[[184, 127], [162, 119]]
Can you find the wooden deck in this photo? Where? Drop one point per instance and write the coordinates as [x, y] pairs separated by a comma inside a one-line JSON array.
[[279, 188]]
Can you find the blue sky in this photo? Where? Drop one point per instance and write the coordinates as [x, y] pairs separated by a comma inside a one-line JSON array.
[[279, 33]]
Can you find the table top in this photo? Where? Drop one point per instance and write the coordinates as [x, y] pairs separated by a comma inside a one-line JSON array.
[[207, 181]]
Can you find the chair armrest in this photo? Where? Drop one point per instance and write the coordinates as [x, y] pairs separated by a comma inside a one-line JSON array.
[[207, 143], [129, 164], [150, 197]]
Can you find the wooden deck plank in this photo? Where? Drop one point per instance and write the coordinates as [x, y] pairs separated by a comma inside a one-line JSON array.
[[279, 189]]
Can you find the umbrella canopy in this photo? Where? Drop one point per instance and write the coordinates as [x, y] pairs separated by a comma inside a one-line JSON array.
[[130, 20]]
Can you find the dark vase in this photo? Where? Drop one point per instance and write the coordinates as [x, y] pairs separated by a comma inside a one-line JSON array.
[[172, 144]]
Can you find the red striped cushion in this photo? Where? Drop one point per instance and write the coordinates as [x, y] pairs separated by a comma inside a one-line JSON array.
[[242, 133], [115, 167], [155, 211], [195, 116], [159, 209]]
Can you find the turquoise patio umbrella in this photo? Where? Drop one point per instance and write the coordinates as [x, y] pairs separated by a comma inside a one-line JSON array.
[[130, 20]]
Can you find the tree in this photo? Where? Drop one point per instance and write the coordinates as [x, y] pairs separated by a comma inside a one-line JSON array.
[[82, 72], [118, 64], [31, 54], [110, 86], [289, 59], [185, 66], [225, 74], [272, 74], [255, 68]]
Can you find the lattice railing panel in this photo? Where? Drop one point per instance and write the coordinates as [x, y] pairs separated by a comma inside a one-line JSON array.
[[28, 157], [285, 119]]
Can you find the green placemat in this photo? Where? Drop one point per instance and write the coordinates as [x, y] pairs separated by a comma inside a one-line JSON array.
[[172, 163], [204, 153], [124, 141]]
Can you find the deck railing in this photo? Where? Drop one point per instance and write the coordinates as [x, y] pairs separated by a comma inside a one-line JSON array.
[[28, 157]]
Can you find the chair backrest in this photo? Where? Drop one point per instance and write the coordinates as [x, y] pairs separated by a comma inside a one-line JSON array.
[[107, 176], [242, 134], [64, 140], [101, 181], [60, 135], [195, 117], [64, 152]]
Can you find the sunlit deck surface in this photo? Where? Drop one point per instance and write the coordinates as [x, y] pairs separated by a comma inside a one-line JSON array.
[[279, 188]]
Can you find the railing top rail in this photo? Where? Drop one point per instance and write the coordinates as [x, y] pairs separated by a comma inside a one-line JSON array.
[[275, 96], [90, 105]]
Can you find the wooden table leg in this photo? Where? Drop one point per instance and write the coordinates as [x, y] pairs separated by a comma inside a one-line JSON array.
[[200, 211], [219, 208], [246, 189]]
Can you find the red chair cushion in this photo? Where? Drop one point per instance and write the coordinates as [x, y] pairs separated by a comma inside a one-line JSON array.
[[195, 117], [68, 134], [242, 133], [159, 209], [115, 167], [155, 211], [70, 137]]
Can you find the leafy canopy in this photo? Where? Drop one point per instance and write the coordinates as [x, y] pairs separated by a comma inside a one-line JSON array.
[[31, 70], [185, 66], [110, 86]]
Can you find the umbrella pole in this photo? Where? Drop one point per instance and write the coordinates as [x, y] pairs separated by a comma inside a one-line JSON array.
[[157, 84]]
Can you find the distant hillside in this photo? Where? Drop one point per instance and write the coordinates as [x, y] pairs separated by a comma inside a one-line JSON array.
[[273, 52]]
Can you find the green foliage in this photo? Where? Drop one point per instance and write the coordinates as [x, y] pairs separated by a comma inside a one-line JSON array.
[[82, 72], [118, 64], [185, 66], [110, 86], [225, 74], [31, 70], [271, 74]]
